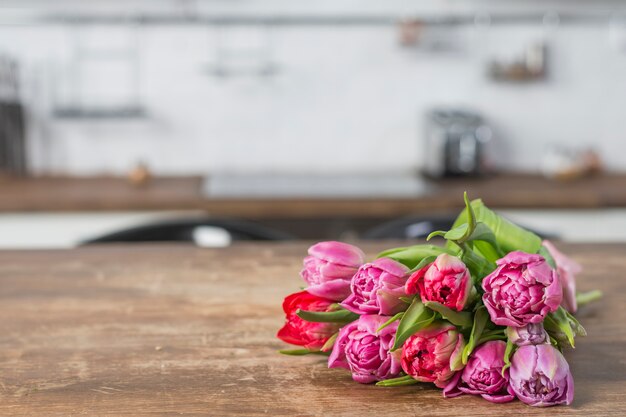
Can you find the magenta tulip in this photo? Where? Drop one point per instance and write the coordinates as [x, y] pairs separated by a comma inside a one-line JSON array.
[[483, 375], [540, 376], [329, 268], [566, 269], [523, 289], [377, 288], [446, 281], [365, 351]]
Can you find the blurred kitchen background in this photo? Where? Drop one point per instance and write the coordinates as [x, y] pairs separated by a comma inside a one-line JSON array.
[[211, 121]]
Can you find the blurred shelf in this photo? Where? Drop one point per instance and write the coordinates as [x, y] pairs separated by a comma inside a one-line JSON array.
[[243, 19], [63, 194], [100, 113]]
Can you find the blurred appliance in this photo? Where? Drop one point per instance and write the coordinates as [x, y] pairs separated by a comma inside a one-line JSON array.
[[456, 143], [277, 185], [12, 122]]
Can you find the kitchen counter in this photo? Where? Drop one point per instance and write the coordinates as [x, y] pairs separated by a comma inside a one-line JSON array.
[[186, 193], [176, 330]]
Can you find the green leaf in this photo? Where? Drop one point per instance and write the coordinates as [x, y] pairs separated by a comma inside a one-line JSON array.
[[339, 316], [301, 352], [578, 329], [543, 251], [487, 250], [411, 256], [469, 211], [461, 232], [415, 318], [485, 242], [558, 327], [481, 317], [554, 342], [563, 326], [391, 320], [329, 343], [397, 382], [458, 318], [508, 352], [387, 252], [509, 236], [484, 233], [436, 233], [456, 359], [478, 266], [583, 298], [487, 337], [457, 233], [424, 262]]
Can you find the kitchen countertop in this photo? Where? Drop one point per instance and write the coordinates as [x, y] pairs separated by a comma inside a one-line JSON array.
[[176, 330], [185, 193]]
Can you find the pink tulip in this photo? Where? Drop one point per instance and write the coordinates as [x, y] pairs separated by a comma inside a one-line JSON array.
[[531, 334], [433, 353], [446, 281], [522, 290], [377, 288], [566, 269], [365, 351], [483, 375], [540, 376], [329, 268]]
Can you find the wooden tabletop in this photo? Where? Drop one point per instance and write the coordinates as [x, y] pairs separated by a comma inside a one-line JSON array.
[[176, 330], [185, 193]]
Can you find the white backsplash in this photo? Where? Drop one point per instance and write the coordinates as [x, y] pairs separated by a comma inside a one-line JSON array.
[[342, 99]]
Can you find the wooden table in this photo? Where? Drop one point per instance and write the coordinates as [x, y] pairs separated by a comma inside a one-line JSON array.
[[176, 330]]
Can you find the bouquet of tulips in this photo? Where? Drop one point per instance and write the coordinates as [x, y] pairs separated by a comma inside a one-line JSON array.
[[488, 313]]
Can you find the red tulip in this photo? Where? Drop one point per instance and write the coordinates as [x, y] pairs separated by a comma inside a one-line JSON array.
[[301, 332]]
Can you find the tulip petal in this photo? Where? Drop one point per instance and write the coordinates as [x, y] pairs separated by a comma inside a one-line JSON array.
[[337, 252]]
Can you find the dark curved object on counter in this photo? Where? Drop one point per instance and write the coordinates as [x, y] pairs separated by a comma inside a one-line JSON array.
[[421, 227], [182, 230]]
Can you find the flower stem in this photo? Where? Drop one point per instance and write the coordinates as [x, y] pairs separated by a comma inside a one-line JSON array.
[[583, 298]]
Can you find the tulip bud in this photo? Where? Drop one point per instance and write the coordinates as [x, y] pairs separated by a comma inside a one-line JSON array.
[[365, 351], [531, 334], [483, 375], [377, 288], [301, 332], [446, 281], [431, 354], [522, 290], [329, 268], [540, 376]]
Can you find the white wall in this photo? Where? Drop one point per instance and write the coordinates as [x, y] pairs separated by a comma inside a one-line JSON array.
[[343, 98]]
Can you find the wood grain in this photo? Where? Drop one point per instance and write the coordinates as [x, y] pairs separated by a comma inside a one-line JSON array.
[[176, 330], [184, 193]]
